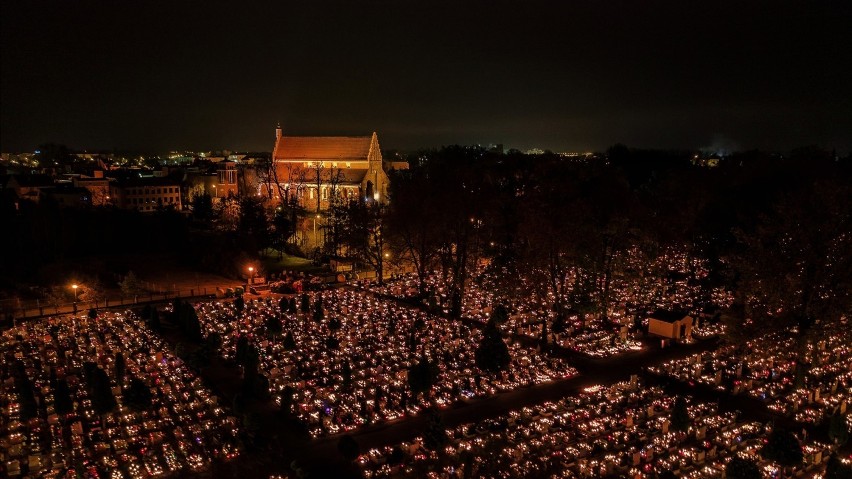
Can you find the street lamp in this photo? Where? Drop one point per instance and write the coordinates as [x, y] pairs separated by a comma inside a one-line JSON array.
[[251, 274], [74, 287], [316, 242]]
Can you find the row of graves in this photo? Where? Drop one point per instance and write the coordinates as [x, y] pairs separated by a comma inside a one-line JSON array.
[[672, 281], [349, 359], [809, 381], [624, 430], [104, 398], [584, 333]]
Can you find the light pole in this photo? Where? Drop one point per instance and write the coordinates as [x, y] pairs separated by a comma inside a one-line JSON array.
[[74, 287], [251, 275], [316, 241]]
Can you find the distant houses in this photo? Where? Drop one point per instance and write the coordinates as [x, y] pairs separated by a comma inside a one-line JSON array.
[[89, 184], [309, 170]]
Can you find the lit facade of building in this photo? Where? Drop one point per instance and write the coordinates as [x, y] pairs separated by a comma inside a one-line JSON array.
[[98, 186], [314, 169], [219, 184], [147, 194], [670, 325]]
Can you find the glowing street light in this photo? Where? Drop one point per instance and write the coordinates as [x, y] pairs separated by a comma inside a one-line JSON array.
[[74, 287], [315, 228]]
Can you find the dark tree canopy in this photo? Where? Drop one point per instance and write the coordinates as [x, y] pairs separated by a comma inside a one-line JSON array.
[[680, 415], [349, 448], [796, 261], [783, 447], [422, 375], [435, 435], [739, 468], [138, 395], [492, 355], [836, 469], [99, 385]]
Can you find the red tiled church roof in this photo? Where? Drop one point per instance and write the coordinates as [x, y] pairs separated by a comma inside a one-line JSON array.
[[322, 148]]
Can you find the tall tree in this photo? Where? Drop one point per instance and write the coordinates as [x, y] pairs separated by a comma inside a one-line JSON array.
[[202, 207], [680, 415], [131, 285], [422, 375], [464, 195], [435, 435], [553, 212], [413, 223], [783, 448], [492, 354], [119, 368], [138, 395], [365, 232], [253, 224], [795, 264], [739, 468]]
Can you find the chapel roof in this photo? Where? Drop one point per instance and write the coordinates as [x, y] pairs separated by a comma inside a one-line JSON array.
[[322, 148]]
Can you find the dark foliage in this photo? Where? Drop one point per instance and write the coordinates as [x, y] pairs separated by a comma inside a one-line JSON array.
[[274, 325], [838, 431], [492, 354], [348, 448], [100, 388], [423, 375], [305, 303], [289, 343], [835, 469], [119, 368], [783, 448], [739, 468], [138, 395], [680, 415], [62, 397], [435, 435]]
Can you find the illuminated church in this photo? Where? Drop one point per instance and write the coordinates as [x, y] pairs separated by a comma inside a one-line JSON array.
[[312, 169]]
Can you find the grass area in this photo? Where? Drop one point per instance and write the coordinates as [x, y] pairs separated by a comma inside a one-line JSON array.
[[272, 263]]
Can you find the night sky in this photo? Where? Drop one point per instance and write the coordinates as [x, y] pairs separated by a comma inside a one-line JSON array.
[[574, 75]]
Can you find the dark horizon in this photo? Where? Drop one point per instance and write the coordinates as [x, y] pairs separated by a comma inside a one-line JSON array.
[[578, 77]]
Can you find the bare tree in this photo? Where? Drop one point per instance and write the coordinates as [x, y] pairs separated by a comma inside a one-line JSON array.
[[414, 219], [364, 233]]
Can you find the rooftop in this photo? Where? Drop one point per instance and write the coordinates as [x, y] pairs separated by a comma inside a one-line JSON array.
[[668, 316], [322, 148]]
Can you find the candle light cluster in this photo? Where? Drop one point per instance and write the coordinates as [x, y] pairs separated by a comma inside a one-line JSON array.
[[348, 366], [57, 422], [673, 280], [806, 380], [624, 430]]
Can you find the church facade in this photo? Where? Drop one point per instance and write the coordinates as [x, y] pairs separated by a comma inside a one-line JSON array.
[[314, 169]]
